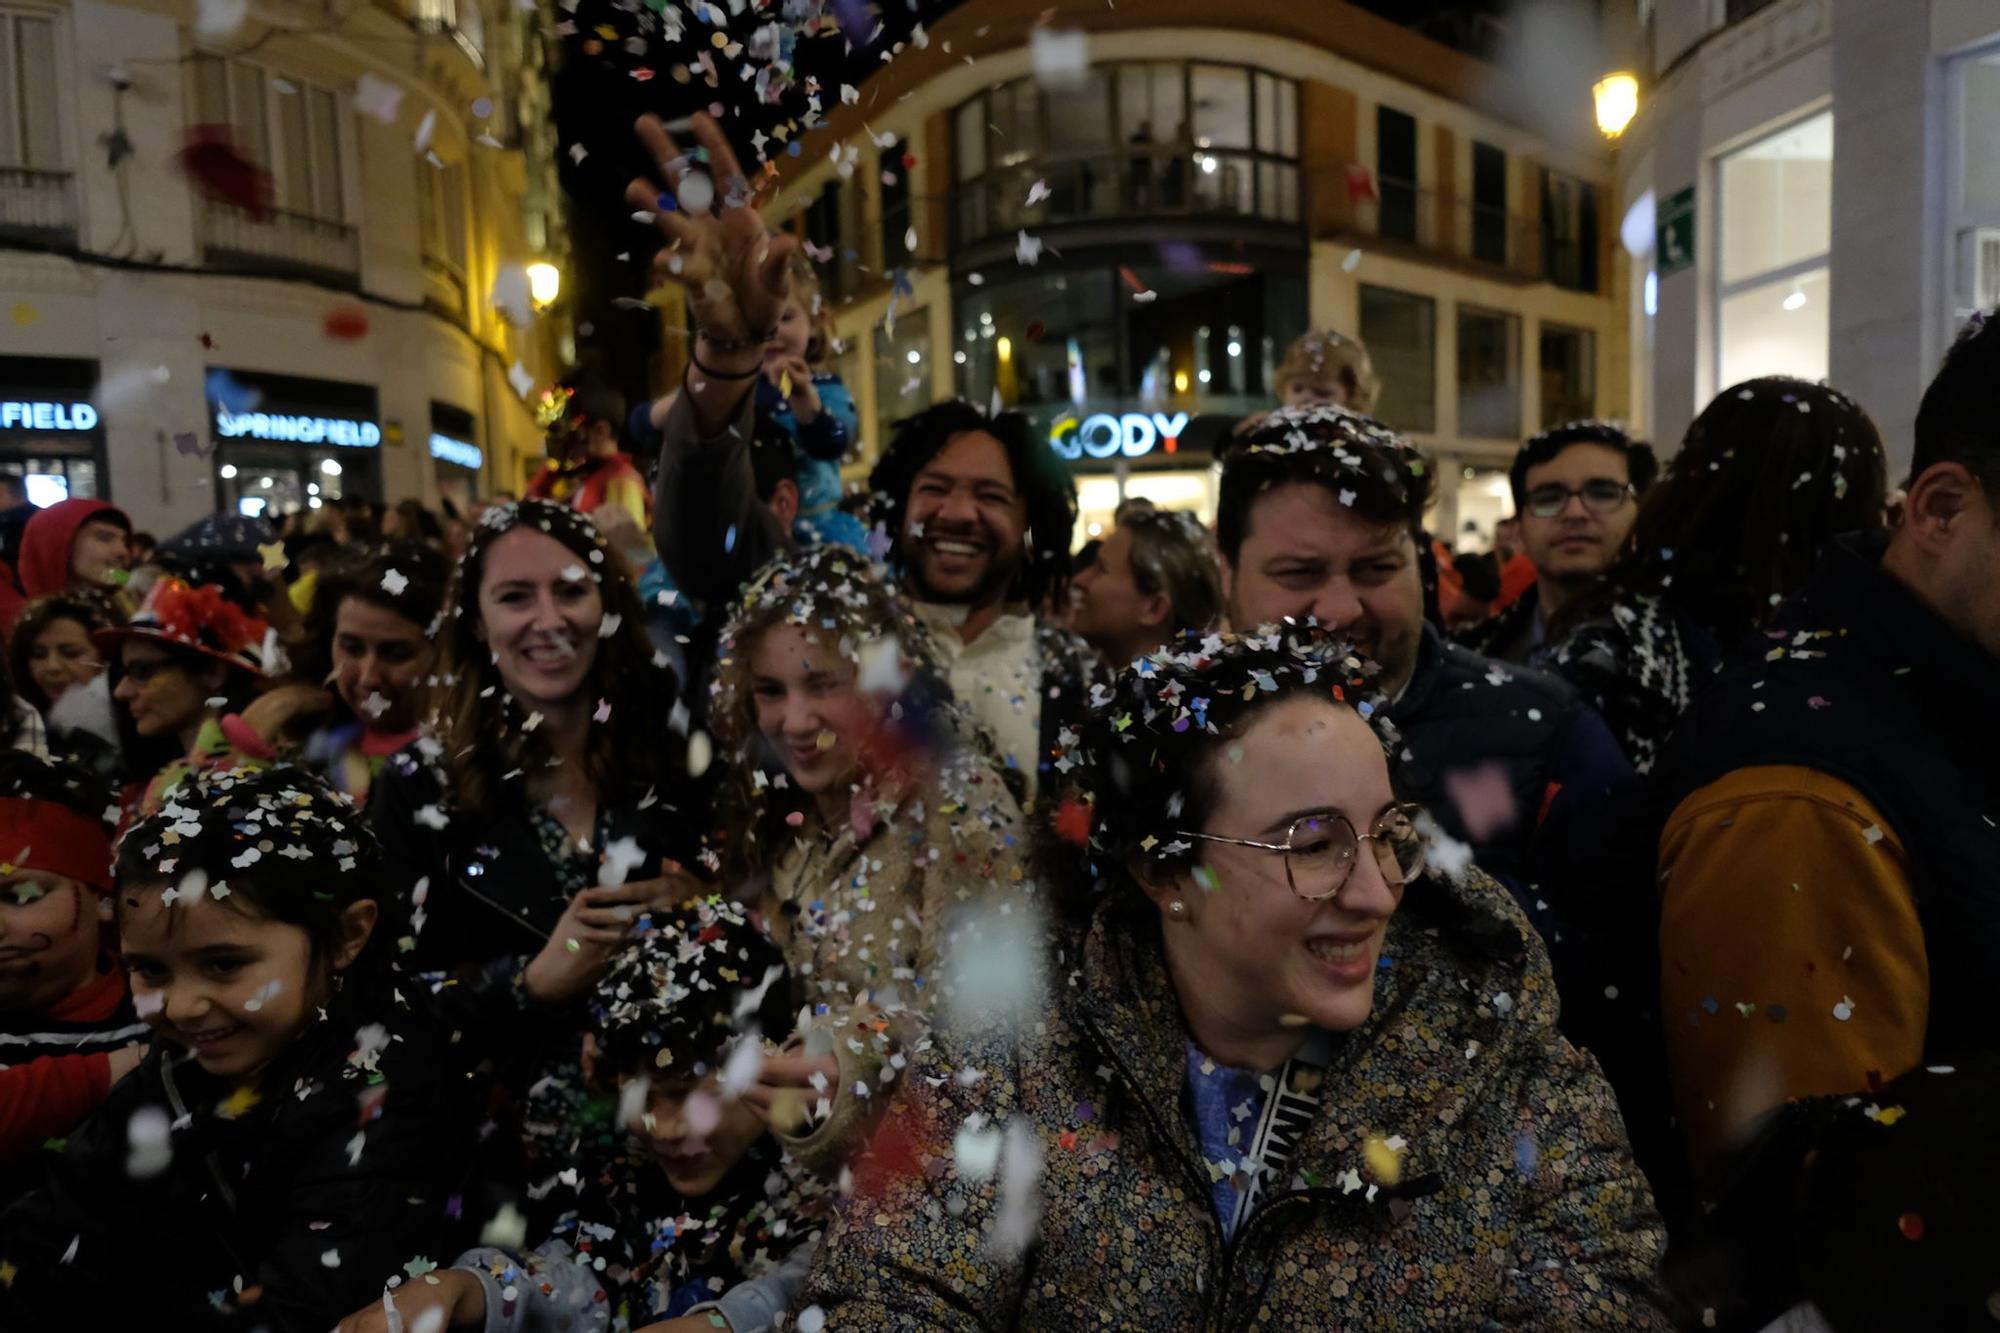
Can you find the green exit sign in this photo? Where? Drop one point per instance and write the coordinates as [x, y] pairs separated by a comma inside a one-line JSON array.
[[1675, 233]]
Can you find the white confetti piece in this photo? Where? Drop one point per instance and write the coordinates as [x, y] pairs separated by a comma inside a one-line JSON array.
[[216, 19], [511, 297], [149, 1149], [394, 581], [1060, 57], [522, 381], [1028, 249], [696, 193], [426, 129], [378, 99], [1845, 1009]]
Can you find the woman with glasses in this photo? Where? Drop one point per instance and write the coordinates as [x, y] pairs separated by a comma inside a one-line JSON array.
[[1297, 1064], [1767, 473]]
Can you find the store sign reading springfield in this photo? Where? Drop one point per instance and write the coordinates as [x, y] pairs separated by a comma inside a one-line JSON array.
[[336, 431], [1102, 435], [47, 416]]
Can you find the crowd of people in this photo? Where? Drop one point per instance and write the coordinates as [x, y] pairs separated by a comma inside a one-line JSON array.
[[711, 902]]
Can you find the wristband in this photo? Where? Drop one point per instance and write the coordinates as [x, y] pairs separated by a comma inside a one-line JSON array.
[[726, 376]]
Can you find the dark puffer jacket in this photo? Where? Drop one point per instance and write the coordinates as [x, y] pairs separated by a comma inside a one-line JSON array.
[[1517, 1204], [287, 1210]]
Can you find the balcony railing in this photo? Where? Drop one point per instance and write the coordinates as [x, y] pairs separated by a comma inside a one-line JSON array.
[[1134, 182], [1423, 222], [285, 244], [37, 206]]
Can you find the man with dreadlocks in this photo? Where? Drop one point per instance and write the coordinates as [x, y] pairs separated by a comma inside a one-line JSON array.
[[978, 517]]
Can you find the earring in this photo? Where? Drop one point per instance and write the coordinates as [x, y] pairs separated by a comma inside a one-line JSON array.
[[1177, 907]]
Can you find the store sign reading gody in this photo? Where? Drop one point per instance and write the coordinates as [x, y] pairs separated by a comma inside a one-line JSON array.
[[1103, 435], [337, 431]]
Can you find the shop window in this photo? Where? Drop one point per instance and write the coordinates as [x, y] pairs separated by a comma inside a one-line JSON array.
[[902, 370], [1489, 203], [1400, 331], [1974, 195], [1569, 232], [1489, 374], [1775, 214], [1569, 374], [1396, 172]]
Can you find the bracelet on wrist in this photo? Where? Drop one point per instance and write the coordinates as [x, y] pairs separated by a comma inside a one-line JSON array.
[[725, 376]]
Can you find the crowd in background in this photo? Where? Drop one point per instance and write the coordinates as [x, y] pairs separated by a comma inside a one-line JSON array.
[[696, 896]]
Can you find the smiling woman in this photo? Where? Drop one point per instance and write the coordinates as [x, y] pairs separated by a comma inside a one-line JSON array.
[[1289, 1049]]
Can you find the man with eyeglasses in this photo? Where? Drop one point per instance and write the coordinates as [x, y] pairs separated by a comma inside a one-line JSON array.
[[1576, 491]]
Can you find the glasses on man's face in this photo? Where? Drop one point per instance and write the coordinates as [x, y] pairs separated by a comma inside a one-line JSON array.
[[1600, 496], [1321, 849]]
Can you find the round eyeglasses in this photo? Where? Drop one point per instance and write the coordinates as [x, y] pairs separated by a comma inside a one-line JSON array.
[[1321, 849], [1600, 496]]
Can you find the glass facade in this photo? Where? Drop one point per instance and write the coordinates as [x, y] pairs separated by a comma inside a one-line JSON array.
[[1775, 220], [1133, 138], [1489, 373], [1400, 332]]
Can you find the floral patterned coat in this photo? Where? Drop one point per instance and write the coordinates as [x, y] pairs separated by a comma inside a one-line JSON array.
[[1466, 1167]]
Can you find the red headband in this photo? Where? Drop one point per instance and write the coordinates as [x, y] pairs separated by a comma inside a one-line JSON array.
[[55, 839]]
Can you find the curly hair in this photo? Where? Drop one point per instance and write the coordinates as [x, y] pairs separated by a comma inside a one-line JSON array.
[[92, 610], [1769, 471], [481, 727], [848, 605], [1143, 766], [1321, 352], [1039, 478]]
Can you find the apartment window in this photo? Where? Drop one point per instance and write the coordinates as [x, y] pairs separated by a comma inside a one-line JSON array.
[[1775, 225], [1400, 331], [29, 138], [441, 232], [1396, 172], [1974, 193], [1735, 11], [289, 126], [1489, 203], [458, 19], [902, 369], [1569, 232], [824, 228], [1489, 374], [1569, 374], [895, 205]]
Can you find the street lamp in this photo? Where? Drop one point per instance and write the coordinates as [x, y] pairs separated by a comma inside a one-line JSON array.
[[544, 283], [1617, 98]]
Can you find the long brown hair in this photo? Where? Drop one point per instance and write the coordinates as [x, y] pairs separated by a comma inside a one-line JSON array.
[[483, 730], [846, 603], [93, 611]]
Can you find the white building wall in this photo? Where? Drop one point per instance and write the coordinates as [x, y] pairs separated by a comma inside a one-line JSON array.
[[143, 308]]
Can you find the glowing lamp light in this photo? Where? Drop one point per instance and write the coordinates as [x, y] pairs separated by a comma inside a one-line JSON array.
[[1005, 347], [544, 283], [1180, 381], [1617, 99]]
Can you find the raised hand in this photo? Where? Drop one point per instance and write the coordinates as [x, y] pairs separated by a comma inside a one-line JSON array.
[[733, 269]]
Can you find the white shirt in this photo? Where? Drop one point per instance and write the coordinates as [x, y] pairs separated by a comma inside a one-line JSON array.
[[998, 676]]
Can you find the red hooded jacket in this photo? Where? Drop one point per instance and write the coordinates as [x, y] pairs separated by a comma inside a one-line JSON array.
[[43, 567]]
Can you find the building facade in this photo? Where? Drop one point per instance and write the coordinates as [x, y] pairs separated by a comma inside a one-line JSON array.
[[1809, 189], [181, 338], [1119, 229]]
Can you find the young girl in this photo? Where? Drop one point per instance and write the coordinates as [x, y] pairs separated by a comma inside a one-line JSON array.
[[884, 822], [812, 404], [353, 696], [703, 1212], [539, 816], [293, 1138]]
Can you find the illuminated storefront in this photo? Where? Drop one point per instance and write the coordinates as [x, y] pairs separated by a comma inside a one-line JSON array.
[[285, 443], [458, 462], [50, 431]]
